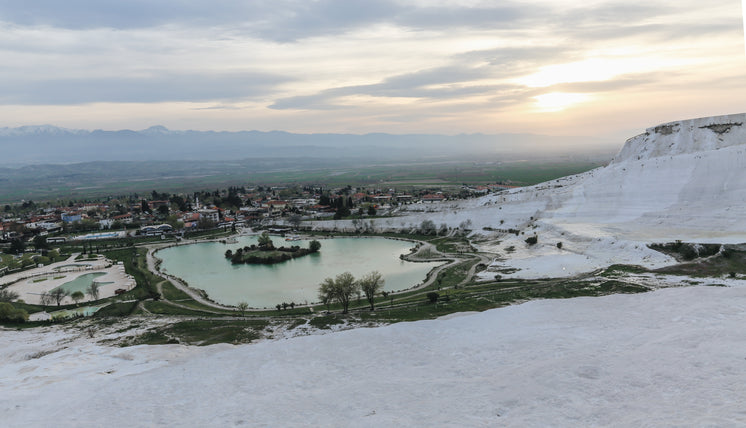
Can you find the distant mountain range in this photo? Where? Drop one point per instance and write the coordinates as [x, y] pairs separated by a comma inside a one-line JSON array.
[[46, 144]]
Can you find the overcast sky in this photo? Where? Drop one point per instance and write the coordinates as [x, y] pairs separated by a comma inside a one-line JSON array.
[[591, 67]]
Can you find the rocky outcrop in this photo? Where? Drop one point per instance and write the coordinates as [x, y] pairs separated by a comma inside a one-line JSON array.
[[686, 136]]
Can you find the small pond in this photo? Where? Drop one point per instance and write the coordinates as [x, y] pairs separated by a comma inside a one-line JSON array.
[[82, 282]]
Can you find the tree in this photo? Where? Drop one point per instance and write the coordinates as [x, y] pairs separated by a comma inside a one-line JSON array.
[[229, 254], [144, 206], [242, 306], [265, 242], [45, 299], [532, 240], [8, 312], [342, 211], [58, 295], [40, 242], [371, 284], [432, 296], [77, 296], [326, 292], [17, 246], [93, 291], [295, 220], [427, 227], [8, 295], [341, 289], [314, 246], [344, 287], [371, 210]]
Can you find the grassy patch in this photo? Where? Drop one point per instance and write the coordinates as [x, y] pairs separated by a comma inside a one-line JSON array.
[[170, 292], [325, 322], [203, 332], [120, 309], [729, 262], [164, 308], [618, 269]]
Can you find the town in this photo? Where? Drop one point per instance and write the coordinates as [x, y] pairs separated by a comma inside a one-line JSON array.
[[30, 228]]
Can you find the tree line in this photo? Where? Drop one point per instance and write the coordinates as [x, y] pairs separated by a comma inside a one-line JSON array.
[[344, 286]]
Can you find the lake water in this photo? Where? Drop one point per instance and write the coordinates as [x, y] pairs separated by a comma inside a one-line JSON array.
[[204, 266]]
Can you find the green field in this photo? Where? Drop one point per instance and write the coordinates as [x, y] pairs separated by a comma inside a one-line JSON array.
[[94, 180]]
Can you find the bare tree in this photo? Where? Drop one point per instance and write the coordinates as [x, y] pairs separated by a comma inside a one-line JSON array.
[[295, 220], [242, 306], [371, 284], [8, 295], [93, 290], [58, 295], [45, 299]]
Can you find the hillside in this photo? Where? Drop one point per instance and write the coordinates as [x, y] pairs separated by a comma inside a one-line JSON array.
[[677, 181]]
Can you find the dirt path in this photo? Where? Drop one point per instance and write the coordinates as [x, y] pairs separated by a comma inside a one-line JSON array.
[[194, 294]]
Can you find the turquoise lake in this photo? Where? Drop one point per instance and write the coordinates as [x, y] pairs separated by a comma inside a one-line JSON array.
[[204, 266]]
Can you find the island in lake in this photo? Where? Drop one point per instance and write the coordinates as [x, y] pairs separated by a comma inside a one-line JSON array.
[[265, 252]]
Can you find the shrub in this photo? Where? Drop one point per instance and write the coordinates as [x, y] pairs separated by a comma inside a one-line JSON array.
[[432, 296], [532, 240], [559, 245], [9, 313]]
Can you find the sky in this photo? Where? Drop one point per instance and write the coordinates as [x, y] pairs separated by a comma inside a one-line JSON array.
[[555, 67]]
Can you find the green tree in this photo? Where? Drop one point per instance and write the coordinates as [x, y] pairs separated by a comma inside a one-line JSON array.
[[341, 289], [371, 210], [371, 284], [77, 296], [326, 292], [40, 242], [9, 312], [265, 242], [314, 246], [17, 246]]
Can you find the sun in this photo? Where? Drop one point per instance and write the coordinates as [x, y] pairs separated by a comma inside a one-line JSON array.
[[557, 101]]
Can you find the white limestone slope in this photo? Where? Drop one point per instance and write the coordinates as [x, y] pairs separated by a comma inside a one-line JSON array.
[[672, 357], [683, 180]]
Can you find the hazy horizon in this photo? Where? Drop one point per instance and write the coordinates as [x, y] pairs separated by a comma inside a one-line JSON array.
[[600, 69]]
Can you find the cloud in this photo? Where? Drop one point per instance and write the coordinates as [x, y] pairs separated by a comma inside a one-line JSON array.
[[278, 20], [155, 88]]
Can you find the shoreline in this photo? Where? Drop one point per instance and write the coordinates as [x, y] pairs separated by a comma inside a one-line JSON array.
[[199, 294]]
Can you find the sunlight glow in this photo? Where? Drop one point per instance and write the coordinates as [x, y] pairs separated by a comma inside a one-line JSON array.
[[557, 101], [583, 71]]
